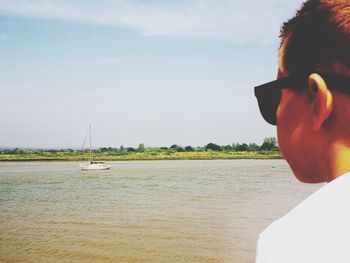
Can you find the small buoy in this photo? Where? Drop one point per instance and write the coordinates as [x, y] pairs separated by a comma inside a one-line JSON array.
[[274, 166]]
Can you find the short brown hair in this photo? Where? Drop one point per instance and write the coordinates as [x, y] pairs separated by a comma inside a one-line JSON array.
[[317, 38]]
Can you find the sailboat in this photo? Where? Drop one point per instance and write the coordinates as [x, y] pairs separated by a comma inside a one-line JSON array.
[[93, 165]]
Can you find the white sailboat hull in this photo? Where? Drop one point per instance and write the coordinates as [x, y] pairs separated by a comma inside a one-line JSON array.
[[95, 166]]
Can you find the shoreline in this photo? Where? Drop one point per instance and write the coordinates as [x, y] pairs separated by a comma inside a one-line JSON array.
[[131, 160], [149, 156]]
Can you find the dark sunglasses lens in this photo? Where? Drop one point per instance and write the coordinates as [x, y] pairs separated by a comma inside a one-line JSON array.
[[268, 103]]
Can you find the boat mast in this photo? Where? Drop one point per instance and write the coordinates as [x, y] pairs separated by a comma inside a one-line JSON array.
[[90, 146]]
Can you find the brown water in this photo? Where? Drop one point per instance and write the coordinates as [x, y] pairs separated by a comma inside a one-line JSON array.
[[159, 211]]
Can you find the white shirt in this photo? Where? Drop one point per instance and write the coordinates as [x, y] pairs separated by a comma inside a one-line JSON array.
[[316, 231]]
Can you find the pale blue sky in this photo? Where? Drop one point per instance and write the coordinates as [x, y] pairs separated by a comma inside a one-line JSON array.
[[152, 72]]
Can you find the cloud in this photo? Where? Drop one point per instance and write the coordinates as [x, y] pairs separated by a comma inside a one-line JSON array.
[[112, 60], [4, 37], [236, 20]]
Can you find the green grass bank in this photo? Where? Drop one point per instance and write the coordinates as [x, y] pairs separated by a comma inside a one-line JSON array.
[[147, 155]]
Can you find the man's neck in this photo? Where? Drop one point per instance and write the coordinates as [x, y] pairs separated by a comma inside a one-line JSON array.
[[339, 160]]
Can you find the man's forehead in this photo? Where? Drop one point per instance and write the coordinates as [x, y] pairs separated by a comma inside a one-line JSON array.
[[282, 72]]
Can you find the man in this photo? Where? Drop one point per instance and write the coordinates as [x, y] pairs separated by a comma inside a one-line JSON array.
[[310, 104]]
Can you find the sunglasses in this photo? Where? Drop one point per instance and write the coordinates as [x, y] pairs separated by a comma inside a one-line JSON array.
[[269, 94]]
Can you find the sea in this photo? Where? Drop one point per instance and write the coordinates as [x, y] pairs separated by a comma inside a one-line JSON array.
[[142, 211]]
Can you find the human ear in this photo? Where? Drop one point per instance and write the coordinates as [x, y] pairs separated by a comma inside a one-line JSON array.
[[322, 101]]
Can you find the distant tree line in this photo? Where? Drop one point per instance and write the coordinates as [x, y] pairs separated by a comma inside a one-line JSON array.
[[269, 144], [36, 151]]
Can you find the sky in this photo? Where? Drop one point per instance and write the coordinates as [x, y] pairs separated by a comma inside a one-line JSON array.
[[157, 72]]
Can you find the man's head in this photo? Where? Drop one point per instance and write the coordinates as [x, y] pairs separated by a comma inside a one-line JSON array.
[[312, 111], [317, 38]]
